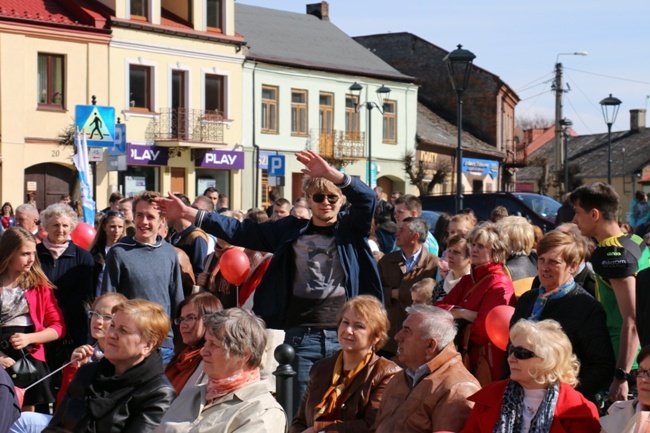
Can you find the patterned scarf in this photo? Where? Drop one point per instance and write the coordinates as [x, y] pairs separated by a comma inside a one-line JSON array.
[[217, 388], [510, 420], [544, 297], [330, 401]]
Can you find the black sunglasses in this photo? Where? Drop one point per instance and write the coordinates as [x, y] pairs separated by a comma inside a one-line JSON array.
[[520, 353], [331, 198]]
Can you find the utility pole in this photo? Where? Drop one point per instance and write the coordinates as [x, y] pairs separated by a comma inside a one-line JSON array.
[[558, 150]]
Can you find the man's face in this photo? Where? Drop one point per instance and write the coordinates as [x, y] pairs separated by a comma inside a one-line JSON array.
[[401, 213], [584, 219], [325, 207], [26, 221], [404, 237], [281, 211], [147, 222], [127, 210], [301, 212], [214, 196], [411, 347]]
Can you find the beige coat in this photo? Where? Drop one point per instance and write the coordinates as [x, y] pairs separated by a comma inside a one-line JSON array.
[[622, 418]]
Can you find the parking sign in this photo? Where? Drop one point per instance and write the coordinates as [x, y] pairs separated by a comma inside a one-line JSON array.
[[276, 165]]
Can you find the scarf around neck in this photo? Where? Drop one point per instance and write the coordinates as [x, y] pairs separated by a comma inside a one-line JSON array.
[[182, 367], [544, 297], [217, 388], [56, 250], [511, 417]]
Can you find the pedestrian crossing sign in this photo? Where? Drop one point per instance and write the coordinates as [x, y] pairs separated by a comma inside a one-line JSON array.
[[98, 122]]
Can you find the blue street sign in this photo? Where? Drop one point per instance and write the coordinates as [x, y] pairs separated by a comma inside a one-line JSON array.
[[98, 122], [119, 140], [276, 165]]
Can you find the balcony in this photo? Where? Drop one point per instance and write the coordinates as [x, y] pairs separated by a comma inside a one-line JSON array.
[[343, 146], [186, 127]]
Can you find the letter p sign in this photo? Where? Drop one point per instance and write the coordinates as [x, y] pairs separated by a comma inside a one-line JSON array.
[[276, 165]]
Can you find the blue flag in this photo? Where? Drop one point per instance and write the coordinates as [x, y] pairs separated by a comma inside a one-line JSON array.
[[81, 162]]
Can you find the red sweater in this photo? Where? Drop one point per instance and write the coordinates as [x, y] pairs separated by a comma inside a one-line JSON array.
[[45, 313], [573, 413]]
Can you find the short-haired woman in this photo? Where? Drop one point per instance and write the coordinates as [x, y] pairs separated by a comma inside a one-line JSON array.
[[539, 396], [345, 390]]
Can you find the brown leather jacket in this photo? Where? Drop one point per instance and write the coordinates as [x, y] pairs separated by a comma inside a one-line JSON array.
[[438, 402], [360, 400]]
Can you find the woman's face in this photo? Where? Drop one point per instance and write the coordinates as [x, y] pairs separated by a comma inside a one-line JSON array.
[[520, 368], [553, 270], [114, 228], [6, 209], [457, 259], [481, 253], [354, 333], [124, 346], [23, 259], [99, 321], [643, 383], [192, 327], [58, 229], [215, 363]]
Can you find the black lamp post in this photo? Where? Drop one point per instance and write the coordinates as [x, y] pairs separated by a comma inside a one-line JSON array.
[[610, 106], [383, 92], [566, 124], [459, 64]]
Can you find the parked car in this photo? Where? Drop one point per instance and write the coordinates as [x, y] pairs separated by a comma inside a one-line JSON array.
[[539, 209]]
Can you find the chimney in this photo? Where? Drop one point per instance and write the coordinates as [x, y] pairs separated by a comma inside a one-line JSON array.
[[319, 10], [637, 119]]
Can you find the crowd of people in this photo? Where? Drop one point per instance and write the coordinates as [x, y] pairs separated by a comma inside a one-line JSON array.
[[145, 330]]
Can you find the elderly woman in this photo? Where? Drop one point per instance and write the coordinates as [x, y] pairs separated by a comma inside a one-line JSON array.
[[520, 264], [539, 396], [127, 390], [632, 415], [485, 287], [234, 399], [186, 367], [111, 230], [69, 267], [561, 298], [459, 262], [344, 390]]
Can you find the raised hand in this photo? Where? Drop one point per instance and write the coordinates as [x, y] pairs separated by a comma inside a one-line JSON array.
[[318, 167]]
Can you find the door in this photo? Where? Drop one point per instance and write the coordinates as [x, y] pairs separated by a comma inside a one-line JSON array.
[[51, 182], [326, 125], [178, 180], [179, 118]]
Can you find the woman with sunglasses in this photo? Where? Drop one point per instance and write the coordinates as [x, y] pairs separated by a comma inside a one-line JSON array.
[[539, 396], [111, 230], [632, 415]]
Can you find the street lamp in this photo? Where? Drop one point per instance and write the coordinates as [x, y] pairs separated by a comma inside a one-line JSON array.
[[566, 124], [459, 64], [383, 93], [610, 106]]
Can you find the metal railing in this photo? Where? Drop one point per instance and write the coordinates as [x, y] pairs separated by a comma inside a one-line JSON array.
[[338, 144], [185, 124]]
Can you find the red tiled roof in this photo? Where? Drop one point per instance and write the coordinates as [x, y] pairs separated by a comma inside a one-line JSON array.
[[49, 11]]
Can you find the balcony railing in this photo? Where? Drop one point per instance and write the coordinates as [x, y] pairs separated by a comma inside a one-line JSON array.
[[184, 124], [338, 144]]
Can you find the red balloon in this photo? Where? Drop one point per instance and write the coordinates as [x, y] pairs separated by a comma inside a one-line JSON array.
[[20, 395], [83, 235], [497, 325], [234, 266]]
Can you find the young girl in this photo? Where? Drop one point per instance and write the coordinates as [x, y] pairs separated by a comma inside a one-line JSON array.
[[29, 315], [8, 219]]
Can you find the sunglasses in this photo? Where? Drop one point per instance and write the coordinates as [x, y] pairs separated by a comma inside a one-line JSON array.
[[331, 198], [520, 353]]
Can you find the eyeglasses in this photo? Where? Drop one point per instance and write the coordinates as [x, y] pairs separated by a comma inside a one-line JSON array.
[[520, 353], [189, 319], [98, 316], [643, 373], [331, 198], [114, 213]]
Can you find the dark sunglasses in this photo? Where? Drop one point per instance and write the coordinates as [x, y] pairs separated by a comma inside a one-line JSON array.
[[331, 198], [114, 213], [520, 353]]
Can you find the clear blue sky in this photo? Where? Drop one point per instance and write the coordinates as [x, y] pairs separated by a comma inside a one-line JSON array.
[[519, 41]]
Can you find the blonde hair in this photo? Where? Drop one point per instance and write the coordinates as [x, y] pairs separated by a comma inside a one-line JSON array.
[[373, 313], [315, 185], [552, 346], [13, 239], [521, 235], [424, 288], [489, 234], [150, 318]]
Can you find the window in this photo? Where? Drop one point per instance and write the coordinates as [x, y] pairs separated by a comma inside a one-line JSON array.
[[214, 13], [140, 97], [269, 109], [390, 122], [140, 9], [352, 118], [50, 80], [299, 112], [326, 113], [214, 93]]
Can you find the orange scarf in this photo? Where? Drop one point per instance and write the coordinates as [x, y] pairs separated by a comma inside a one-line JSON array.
[[329, 404], [182, 367], [219, 387]]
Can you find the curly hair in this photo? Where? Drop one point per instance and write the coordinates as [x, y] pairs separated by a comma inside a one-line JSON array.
[[489, 234]]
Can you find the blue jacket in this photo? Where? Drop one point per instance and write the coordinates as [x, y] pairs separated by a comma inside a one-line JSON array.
[[275, 290]]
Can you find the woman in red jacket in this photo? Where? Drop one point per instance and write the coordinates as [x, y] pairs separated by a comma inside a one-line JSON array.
[[539, 396], [486, 287], [29, 315]]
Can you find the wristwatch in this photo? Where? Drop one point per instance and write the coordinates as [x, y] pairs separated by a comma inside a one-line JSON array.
[[621, 374]]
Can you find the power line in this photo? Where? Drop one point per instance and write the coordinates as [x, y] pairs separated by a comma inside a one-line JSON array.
[[610, 76], [530, 84]]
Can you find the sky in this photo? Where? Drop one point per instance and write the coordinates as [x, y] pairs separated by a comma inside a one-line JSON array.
[[519, 41]]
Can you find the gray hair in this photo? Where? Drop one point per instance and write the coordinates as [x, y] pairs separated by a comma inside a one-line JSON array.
[[241, 333], [418, 226], [27, 208], [436, 323], [58, 210]]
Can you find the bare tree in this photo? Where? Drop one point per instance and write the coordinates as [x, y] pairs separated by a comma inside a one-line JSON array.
[[419, 170], [535, 121]]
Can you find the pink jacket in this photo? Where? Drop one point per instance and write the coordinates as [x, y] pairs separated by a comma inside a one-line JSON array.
[[45, 313]]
